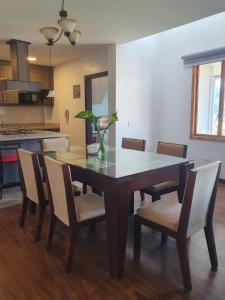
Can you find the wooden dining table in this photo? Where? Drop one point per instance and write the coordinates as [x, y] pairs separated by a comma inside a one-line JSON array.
[[118, 175]]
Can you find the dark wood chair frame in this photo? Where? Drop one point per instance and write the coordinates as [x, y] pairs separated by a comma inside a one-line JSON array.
[[41, 197], [181, 234], [74, 225], [157, 195], [143, 145]]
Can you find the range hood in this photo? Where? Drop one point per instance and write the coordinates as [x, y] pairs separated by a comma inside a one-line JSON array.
[[20, 70]]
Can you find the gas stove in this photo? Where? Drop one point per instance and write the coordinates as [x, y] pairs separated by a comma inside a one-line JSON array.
[[20, 131]]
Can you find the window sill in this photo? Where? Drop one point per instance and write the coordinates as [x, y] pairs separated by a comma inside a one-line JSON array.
[[205, 137]]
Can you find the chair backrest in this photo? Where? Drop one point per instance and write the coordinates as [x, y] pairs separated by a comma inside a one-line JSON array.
[[54, 144], [60, 190], [31, 181], [133, 144], [199, 198], [172, 149]]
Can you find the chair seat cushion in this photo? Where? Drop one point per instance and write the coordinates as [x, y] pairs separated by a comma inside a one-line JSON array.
[[163, 185], [163, 212], [89, 206], [75, 187]]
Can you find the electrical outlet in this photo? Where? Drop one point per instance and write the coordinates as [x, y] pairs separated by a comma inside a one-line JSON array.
[[130, 122]]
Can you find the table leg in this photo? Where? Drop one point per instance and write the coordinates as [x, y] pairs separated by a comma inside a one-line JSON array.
[[117, 204]]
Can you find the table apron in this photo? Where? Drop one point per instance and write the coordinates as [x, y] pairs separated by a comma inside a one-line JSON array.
[[136, 181], [153, 177]]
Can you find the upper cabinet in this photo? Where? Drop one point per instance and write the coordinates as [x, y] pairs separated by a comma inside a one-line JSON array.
[[5, 70], [42, 74]]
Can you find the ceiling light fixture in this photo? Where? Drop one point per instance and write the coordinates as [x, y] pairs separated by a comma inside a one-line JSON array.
[[67, 27], [51, 93]]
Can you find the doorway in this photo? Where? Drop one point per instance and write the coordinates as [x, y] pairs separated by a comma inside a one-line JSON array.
[[96, 100]]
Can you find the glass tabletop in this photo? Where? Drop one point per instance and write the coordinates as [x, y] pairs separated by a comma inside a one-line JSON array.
[[117, 163]]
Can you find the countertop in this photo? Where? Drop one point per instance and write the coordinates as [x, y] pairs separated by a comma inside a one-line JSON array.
[[37, 126], [36, 135]]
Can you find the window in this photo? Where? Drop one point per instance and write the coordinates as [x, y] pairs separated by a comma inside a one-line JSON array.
[[208, 102]]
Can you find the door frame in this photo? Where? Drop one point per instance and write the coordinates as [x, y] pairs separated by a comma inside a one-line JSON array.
[[88, 101]]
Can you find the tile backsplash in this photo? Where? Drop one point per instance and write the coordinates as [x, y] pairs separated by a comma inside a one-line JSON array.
[[23, 114]]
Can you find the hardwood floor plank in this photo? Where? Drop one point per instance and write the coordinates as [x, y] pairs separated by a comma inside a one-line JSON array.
[[28, 272]]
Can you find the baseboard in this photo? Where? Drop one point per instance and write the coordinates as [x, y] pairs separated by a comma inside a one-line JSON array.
[[222, 180]]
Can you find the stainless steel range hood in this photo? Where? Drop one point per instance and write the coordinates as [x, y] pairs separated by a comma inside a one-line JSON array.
[[20, 70]]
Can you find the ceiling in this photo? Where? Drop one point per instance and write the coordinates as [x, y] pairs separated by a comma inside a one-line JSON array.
[[101, 22]]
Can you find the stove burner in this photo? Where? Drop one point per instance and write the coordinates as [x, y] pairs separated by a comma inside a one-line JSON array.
[[16, 131]]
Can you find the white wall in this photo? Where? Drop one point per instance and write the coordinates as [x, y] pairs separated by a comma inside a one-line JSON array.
[[154, 88], [67, 75], [135, 93], [112, 90]]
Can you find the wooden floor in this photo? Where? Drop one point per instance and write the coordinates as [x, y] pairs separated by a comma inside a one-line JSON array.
[[27, 272]]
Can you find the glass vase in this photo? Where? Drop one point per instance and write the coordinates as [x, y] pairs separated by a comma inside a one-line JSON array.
[[101, 137]]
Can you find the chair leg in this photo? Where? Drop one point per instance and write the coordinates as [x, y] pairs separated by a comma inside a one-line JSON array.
[[96, 191], [142, 194], [164, 239], [209, 235], [24, 211], [32, 207], [40, 223], [155, 197], [137, 238], [51, 231], [84, 188], [132, 203], [1, 180], [71, 249], [180, 196], [184, 263], [92, 227]]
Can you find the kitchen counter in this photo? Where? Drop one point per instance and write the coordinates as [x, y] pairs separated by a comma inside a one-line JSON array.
[[36, 126], [35, 135]]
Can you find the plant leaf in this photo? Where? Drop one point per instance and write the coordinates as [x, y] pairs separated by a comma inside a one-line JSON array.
[[86, 115], [114, 118], [83, 115]]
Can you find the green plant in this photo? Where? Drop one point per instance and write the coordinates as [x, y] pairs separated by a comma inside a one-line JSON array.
[[88, 115]]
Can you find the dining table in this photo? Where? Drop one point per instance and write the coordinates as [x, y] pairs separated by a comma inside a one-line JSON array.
[[117, 175]]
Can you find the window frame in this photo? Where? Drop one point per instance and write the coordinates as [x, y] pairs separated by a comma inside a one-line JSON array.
[[194, 108]]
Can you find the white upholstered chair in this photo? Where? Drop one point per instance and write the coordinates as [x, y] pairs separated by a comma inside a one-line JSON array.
[[72, 211], [54, 144], [57, 144], [33, 189], [181, 221]]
